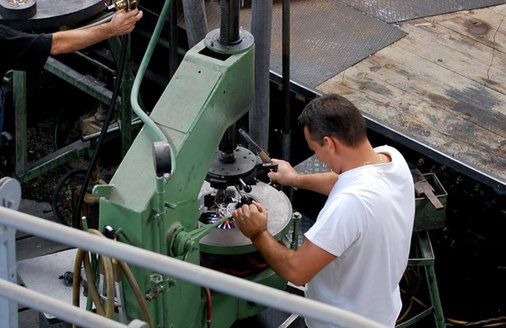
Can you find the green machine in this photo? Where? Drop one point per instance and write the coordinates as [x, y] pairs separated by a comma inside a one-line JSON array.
[[174, 197]]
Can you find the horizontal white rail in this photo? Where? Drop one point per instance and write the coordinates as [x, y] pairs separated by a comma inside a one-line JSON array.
[[186, 271], [59, 309]]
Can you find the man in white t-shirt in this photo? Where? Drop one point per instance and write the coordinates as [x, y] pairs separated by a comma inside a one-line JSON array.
[[355, 254]]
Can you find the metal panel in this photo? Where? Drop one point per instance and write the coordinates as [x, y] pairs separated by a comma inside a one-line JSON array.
[[327, 37], [401, 10]]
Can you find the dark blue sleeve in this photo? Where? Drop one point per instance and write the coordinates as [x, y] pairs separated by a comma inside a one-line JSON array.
[[23, 51]]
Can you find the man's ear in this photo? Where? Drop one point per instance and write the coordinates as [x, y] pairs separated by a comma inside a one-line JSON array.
[[330, 144], [333, 144]]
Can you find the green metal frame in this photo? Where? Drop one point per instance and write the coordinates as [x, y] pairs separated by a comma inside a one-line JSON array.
[[204, 98], [427, 260]]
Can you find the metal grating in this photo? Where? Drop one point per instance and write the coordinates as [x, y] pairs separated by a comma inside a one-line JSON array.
[[311, 165], [401, 10], [326, 37]]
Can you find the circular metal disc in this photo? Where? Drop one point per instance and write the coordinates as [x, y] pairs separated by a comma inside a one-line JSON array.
[[13, 9], [10, 193], [55, 13], [245, 162], [212, 42], [232, 241]]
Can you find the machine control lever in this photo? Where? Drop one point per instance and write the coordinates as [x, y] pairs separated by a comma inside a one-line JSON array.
[[246, 187]]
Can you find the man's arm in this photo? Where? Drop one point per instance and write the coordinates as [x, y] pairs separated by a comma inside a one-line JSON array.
[[299, 266], [69, 41], [319, 182]]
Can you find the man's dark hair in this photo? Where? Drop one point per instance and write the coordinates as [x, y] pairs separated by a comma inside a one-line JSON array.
[[335, 116]]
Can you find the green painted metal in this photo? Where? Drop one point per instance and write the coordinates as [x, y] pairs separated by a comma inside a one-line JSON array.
[[427, 216], [84, 83], [19, 90], [205, 97], [426, 259]]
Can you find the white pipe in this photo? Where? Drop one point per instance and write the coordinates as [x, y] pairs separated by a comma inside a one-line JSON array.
[[59, 309], [186, 271]]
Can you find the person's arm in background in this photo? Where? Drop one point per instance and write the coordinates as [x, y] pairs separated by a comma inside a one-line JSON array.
[[318, 182], [69, 41]]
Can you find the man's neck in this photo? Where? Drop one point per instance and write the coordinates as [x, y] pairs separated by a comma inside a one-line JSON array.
[[361, 155]]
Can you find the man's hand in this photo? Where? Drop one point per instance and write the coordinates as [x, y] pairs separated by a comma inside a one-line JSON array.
[[251, 220], [286, 174], [123, 22]]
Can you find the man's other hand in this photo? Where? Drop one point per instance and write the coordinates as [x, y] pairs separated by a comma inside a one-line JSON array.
[[285, 175], [251, 220], [123, 22]]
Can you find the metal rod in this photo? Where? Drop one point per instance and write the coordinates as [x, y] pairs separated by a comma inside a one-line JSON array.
[[195, 21], [229, 28], [261, 26], [55, 307], [185, 271], [287, 126]]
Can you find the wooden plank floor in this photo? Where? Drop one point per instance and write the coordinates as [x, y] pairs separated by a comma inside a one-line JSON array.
[[443, 85]]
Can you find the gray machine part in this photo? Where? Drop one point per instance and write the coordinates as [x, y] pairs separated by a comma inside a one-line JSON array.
[[18, 9], [10, 193], [279, 210], [54, 13]]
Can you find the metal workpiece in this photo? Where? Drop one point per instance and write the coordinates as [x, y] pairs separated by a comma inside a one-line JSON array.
[[232, 241], [184, 271]]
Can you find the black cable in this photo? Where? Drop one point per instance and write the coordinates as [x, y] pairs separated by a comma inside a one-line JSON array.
[[55, 199], [77, 214]]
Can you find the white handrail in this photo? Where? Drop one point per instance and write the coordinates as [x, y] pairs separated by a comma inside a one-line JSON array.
[[59, 309], [186, 271]]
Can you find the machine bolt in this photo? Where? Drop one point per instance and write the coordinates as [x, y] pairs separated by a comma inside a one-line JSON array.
[[109, 232]]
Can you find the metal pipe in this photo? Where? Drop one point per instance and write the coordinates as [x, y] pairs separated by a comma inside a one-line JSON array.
[[192, 273], [134, 96], [157, 133], [285, 54], [195, 21], [55, 307], [261, 25]]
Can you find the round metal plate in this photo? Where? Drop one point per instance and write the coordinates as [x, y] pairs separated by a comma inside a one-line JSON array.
[[10, 193], [212, 42], [55, 13], [18, 9], [232, 241], [245, 162]]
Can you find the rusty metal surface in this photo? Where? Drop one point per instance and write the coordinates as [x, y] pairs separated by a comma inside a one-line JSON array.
[[54, 13], [326, 37], [401, 10]]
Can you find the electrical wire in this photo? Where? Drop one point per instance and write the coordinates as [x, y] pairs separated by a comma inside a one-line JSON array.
[[55, 198], [77, 214]]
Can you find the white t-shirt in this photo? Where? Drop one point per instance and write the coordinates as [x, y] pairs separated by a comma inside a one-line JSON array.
[[367, 223]]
